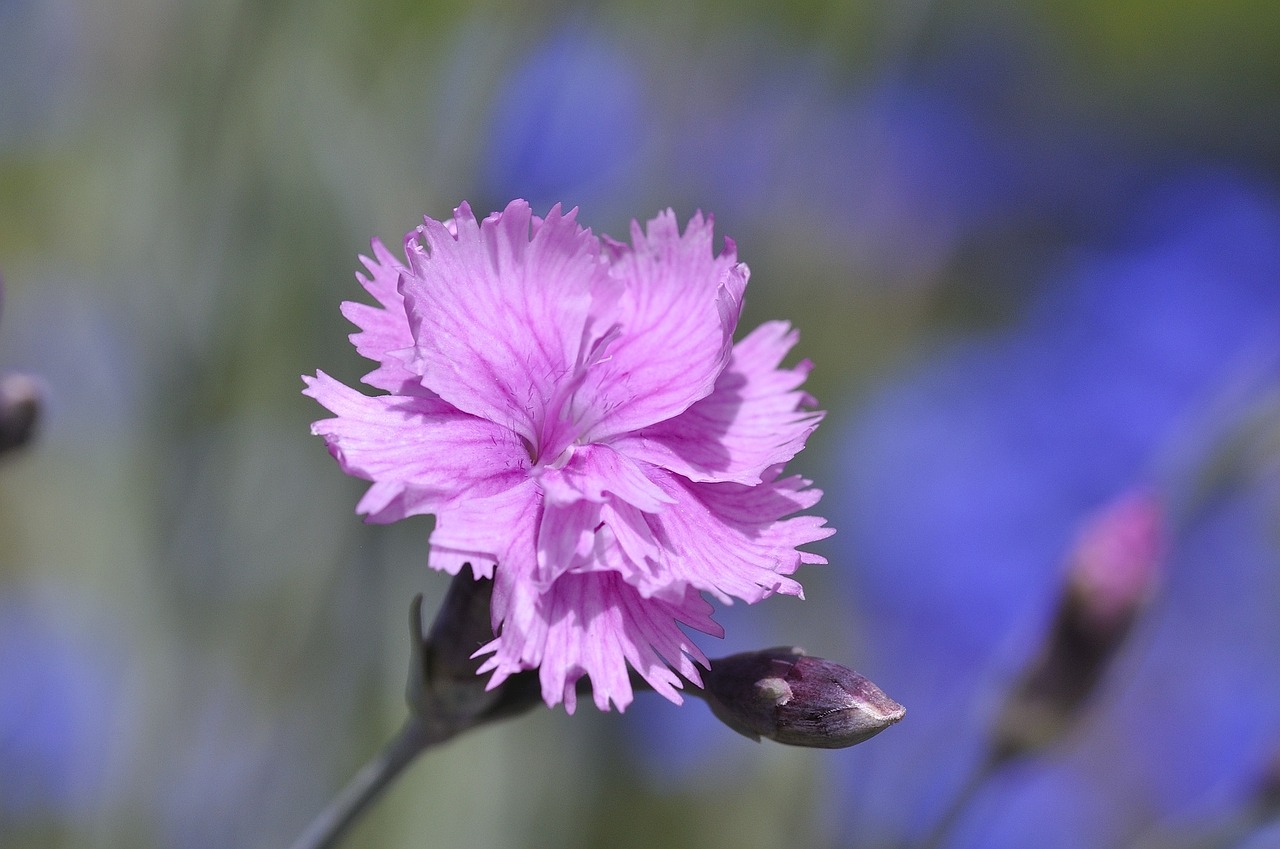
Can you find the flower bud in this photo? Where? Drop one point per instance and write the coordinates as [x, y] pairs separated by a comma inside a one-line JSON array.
[[1267, 790], [444, 692], [19, 410], [787, 696], [1114, 564], [1112, 571]]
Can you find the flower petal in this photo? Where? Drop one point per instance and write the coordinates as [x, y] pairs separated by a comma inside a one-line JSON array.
[[484, 531], [500, 316], [729, 539], [754, 419], [384, 334], [565, 537], [596, 624], [677, 309], [574, 497], [598, 472], [420, 452]]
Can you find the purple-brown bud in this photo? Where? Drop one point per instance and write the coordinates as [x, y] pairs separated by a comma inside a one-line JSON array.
[[787, 696], [20, 397]]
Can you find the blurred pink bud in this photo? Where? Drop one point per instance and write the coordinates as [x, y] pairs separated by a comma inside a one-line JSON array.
[[1115, 563], [1113, 569]]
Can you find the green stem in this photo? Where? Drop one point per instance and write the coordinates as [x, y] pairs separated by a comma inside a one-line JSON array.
[[367, 785]]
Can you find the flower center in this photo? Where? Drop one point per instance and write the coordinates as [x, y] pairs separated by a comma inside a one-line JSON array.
[[553, 454]]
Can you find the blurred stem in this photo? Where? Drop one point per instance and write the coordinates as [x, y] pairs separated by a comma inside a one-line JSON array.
[[946, 824], [367, 785], [445, 697]]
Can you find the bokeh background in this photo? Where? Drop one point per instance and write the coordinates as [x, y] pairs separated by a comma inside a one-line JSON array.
[[1033, 251]]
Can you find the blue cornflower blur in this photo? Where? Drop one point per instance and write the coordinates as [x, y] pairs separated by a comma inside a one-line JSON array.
[[965, 483], [61, 709], [890, 175], [568, 124], [890, 178], [865, 170]]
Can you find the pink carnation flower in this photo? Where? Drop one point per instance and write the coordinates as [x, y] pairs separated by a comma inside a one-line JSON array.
[[576, 415]]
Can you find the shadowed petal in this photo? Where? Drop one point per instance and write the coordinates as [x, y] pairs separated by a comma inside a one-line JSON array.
[[488, 530], [732, 540], [566, 537], [751, 421], [677, 311]]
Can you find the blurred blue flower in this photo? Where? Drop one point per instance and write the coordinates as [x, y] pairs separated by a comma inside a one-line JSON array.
[[893, 174], [1027, 806], [896, 172], [964, 483], [61, 704], [890, 176], [689, 744], [1265, 838], [900, 174], [568, 124]]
